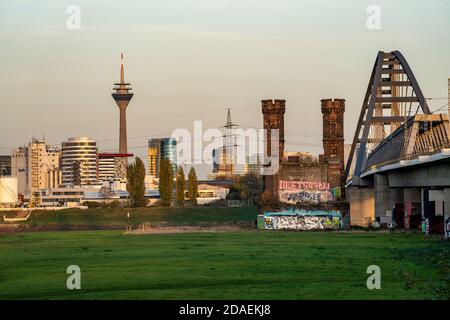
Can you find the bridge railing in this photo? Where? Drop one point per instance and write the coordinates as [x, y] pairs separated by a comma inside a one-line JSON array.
[[428, 149]]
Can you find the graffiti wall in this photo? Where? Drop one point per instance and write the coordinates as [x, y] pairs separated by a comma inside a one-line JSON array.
[[332, 221], [293, 192]]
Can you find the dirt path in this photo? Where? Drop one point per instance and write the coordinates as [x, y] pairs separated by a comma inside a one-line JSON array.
[[184, 229]]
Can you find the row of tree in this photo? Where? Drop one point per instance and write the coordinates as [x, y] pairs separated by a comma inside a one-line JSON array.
[[136, 184], [166, 174]]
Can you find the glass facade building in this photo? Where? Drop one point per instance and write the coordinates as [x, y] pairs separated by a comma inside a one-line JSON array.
[[164, 148], [168, 150]]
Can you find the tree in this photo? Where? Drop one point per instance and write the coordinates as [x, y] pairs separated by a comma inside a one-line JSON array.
[[180, 185], [166, 182], [136, 183], [246, 187], [193, 186]]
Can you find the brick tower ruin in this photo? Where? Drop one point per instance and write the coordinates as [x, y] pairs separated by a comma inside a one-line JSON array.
[[333, 140], [273, 115]]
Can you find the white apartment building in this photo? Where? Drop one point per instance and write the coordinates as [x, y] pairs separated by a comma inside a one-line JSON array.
[[19, 168], [35, 166], [43, 166]]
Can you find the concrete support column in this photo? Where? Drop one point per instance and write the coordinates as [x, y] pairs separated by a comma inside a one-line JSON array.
[[382, 196], [447, 212], [362, 206], [411, 195], [447, 202], [412, 200], [396, 197]]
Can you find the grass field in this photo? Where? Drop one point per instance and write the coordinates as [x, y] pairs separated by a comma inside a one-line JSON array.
[[117, 218], [234, 265]]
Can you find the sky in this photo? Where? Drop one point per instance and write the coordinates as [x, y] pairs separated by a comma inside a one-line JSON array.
[[192, 59]]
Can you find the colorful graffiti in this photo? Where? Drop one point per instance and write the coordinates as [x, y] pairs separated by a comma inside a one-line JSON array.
[[306, 191], [303, 185], [305, 196], [311, 221]]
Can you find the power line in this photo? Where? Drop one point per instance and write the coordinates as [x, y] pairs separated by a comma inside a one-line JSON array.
[[440, 108], [109, 122]]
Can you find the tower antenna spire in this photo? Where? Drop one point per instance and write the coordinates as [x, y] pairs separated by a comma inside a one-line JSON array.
[[229, 123], [122, 73]]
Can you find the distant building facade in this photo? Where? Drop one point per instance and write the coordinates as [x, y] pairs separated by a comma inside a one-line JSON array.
[[153, 160], [43, 165], [168, 150], [36, 166], [19, 168], [223, 161], [79, 164], [158, 149], [112, 166], [5, 165]]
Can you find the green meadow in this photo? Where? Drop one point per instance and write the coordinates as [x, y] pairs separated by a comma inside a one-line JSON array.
[[225, 265]]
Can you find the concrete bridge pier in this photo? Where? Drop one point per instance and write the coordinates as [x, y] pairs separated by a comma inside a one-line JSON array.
[[383, 199], [412, 203], [362, 206]]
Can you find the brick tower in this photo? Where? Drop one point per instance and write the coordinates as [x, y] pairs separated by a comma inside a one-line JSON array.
[[333, 140], [273, 115]]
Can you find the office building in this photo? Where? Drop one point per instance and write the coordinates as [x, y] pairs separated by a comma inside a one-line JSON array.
[[79, 163], [154, 157], [168, 150], [164, 148], [112, 166]]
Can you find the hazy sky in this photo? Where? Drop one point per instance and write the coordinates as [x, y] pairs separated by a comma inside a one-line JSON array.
[[191, 59]]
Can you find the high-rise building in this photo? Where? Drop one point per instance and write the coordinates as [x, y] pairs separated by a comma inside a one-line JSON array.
[[158, 149], [19, 168], [168, 150], [5, 165], [79, 163], [43, 165], [122, 96], [154, 157], [333, 139]]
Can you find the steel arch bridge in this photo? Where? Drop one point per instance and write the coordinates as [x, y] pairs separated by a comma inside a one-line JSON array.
[[392, 99]]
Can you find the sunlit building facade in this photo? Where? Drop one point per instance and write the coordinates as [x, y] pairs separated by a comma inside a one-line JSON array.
[[79, 163]]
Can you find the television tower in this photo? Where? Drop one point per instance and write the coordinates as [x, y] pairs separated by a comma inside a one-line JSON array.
[[122, 96]]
